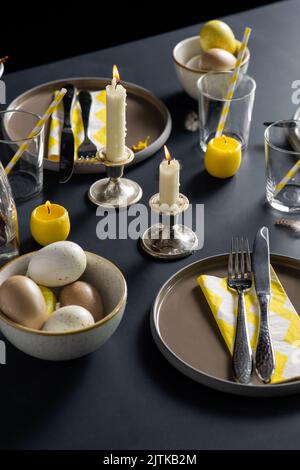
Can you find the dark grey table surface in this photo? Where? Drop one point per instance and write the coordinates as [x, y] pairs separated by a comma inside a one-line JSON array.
[[126, 395]]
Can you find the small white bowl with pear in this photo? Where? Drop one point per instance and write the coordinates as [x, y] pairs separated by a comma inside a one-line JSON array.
[[214, 49], [60, 302]]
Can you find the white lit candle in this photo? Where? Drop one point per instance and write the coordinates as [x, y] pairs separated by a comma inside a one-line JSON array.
[[115, 119], [169, 170]]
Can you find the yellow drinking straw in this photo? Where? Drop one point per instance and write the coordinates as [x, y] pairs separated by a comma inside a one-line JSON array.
[[35, 130], [232, 84], [290, 174]]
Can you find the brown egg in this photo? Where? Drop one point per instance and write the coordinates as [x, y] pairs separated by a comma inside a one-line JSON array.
[[85, 295], [21, 300], [218, 60]]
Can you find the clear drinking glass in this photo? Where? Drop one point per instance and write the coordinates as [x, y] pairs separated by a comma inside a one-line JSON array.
[[213, 88], [282, 151], [9, 233], [26, 178]]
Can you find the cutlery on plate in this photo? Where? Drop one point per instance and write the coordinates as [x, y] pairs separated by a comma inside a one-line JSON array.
[[87, 149], [264, 360], [67, 145], [240, 280]]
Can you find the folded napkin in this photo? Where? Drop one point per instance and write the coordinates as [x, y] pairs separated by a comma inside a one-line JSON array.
[[97, 122], [284, 321]]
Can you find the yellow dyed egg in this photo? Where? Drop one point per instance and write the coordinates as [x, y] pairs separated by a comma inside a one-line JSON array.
[[216, 33], [49, 298]]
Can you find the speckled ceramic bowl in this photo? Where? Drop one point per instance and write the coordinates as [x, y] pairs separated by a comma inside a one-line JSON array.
[[103, 275], [188, 76]]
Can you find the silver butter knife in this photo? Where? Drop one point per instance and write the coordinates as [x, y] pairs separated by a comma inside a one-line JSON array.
[[67, 145], [264, 359]]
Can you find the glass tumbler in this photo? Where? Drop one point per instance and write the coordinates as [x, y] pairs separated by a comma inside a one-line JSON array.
[[282, 155], [9, 232], [213, 88], [26, 177]]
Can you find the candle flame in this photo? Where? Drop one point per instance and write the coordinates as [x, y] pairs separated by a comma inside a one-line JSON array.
[[48, 206], [116, 74], [167, 154]]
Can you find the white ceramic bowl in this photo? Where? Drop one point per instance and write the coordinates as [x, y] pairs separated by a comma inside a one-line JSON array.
[[103, 275], [189, 76]]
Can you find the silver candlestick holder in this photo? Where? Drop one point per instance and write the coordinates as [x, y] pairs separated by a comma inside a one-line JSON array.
[[169, 240], [115, 191]]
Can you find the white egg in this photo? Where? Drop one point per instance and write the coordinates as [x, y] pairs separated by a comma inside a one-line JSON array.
[[71, 317], [57, 264], [195, 62]]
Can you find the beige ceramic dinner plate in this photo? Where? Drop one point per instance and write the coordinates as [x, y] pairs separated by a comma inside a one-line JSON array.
[[146, 116], [186, 333]]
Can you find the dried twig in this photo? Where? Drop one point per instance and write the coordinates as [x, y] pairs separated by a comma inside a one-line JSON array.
[[3, 59]]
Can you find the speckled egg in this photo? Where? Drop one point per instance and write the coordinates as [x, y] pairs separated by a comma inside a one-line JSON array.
[[70, 318], [57, 264]]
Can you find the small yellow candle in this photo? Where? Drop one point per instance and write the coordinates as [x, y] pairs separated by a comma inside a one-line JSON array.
[[223, 156], [49, 223]]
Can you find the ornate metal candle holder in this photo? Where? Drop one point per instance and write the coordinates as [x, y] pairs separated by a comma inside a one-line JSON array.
[[169, 240], [115, 191]]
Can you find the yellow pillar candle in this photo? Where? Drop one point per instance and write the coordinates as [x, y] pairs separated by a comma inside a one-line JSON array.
[[115, 119], [223, 156], [49, 223], [168, 180]]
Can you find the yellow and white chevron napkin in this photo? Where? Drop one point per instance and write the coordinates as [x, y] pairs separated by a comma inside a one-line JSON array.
[[97, 124], [284, 321]]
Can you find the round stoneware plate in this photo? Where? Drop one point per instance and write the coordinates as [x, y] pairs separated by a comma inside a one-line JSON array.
[[146, 116], [186, 333]]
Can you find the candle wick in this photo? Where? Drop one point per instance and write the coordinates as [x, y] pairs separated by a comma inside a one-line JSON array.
[[225, 140], [48, 207], [169, 161]]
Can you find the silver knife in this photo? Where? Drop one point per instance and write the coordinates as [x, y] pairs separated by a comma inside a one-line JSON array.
[[264, 360], [66, 162]]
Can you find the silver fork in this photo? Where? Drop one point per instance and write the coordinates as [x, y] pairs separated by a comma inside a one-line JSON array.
[[87, 150], [240, 280]]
